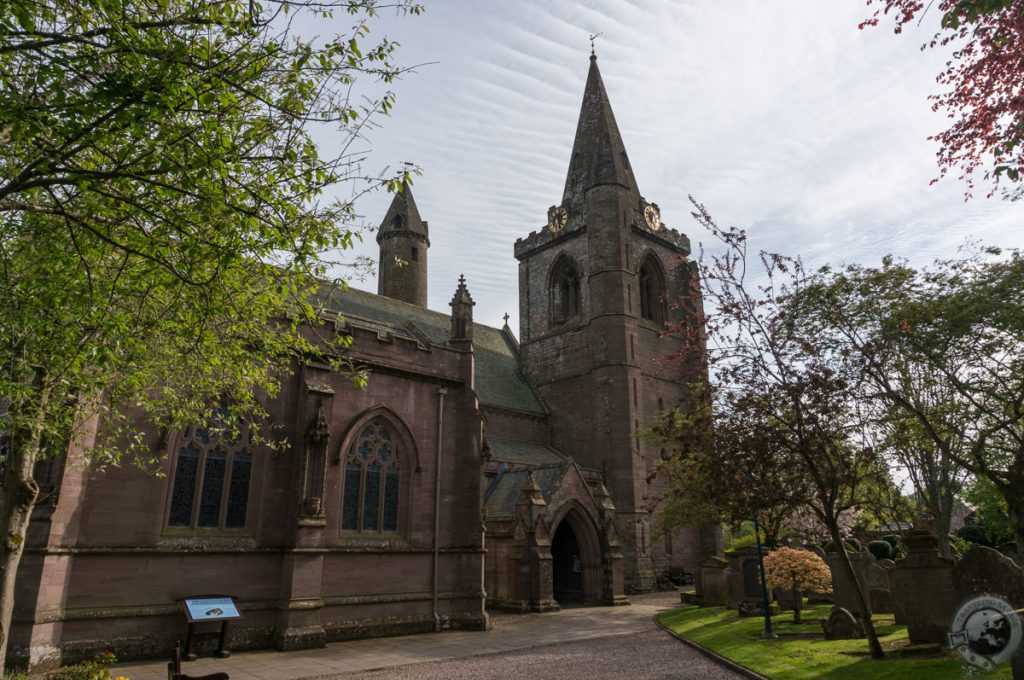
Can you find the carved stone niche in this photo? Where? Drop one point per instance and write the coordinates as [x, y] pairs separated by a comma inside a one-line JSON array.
[[318, 436]]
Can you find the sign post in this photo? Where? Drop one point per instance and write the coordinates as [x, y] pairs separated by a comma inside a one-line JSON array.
[[209, 608]]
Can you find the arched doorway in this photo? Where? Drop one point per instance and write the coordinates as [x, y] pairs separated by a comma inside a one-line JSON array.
[[566, 565]]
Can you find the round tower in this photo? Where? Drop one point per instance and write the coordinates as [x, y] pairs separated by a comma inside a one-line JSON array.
[[403, 244]]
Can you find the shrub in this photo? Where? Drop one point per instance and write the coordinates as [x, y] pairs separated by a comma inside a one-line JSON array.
[[746, 541], [852, 546], [87, 670], [959, 546], [796, 570], [881, 550], [974, 534]]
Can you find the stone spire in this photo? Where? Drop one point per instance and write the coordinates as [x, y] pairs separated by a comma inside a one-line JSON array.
[[462, 313], [403, 251], [598, 154]]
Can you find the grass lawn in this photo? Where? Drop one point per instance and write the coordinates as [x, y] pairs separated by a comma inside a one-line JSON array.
[[802, 652]]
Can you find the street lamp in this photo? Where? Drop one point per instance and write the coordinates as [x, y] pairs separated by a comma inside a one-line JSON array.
[[766, 605]]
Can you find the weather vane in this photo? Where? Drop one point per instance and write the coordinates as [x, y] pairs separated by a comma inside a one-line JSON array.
[[593, 37]]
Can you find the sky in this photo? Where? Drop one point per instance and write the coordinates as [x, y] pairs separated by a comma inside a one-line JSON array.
[[782, 118]]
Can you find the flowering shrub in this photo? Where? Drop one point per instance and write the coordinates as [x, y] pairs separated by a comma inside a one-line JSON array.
[[88, 670], [796, 570]]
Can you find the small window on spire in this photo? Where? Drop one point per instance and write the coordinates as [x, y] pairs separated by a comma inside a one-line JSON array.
[[625, 161], [577, 162], [415, 256], [398, 222]]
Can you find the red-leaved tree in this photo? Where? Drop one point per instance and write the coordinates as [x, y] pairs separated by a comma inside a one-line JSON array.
[[983, 86]]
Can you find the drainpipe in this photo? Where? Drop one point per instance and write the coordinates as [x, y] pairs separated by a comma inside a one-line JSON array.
[[437, 500]]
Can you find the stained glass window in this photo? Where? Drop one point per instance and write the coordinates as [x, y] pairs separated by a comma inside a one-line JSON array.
[[372, 481], [238, 490], [212, 474]]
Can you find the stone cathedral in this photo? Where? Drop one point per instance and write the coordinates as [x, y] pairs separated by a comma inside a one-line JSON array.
[[479, 469]]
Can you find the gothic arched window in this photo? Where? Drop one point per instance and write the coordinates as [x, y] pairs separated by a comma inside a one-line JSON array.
[[564, 291], [652, 291], [212, 470], [397, 223], [372, 477]]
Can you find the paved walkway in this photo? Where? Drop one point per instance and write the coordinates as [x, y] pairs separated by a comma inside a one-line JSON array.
[[510, 633]]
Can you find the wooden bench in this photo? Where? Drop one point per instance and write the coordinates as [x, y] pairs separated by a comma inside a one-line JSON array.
[[174, 669]]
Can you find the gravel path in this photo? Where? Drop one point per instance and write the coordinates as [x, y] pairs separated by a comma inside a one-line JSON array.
[[590, 643], [651, 655]]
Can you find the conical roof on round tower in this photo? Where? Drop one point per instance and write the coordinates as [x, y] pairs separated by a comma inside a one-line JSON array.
[[403, 217]]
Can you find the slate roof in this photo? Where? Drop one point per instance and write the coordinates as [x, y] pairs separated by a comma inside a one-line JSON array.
[[499, 381], [403, 206], [501, 500], [529, 453]]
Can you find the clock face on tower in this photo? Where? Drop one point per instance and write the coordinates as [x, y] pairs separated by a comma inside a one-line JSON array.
[[558, 217], [652, 217]]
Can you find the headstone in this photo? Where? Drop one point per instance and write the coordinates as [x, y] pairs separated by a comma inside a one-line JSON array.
[[816, 549], [922, 589], [876, 579], [711, 581], [744, 581], [785, 598], [841, 625], [755, 608], [843, 591], [984, 571]]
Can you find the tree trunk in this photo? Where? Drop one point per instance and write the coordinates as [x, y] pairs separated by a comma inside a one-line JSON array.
[[797, 603], [942, 522], [20, 492], [862, 603], [1016, 516]]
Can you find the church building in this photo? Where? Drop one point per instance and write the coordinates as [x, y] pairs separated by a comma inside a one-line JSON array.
[[479, 469]]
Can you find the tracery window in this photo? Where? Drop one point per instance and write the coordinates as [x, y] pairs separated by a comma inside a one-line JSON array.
[[212, 471], [652, 291], [565, 291], [372, 481]]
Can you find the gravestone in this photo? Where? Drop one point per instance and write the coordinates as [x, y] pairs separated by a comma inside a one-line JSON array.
[[744, 582], [841, 625], [816, 549], [843, 592], [876, 579], [711, 581], [785, 598], [922, 588], [985, 571]]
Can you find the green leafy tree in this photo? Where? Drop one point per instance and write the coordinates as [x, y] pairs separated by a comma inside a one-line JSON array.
[[797, 395], [163, 217], [724, 466], [959, 325]]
